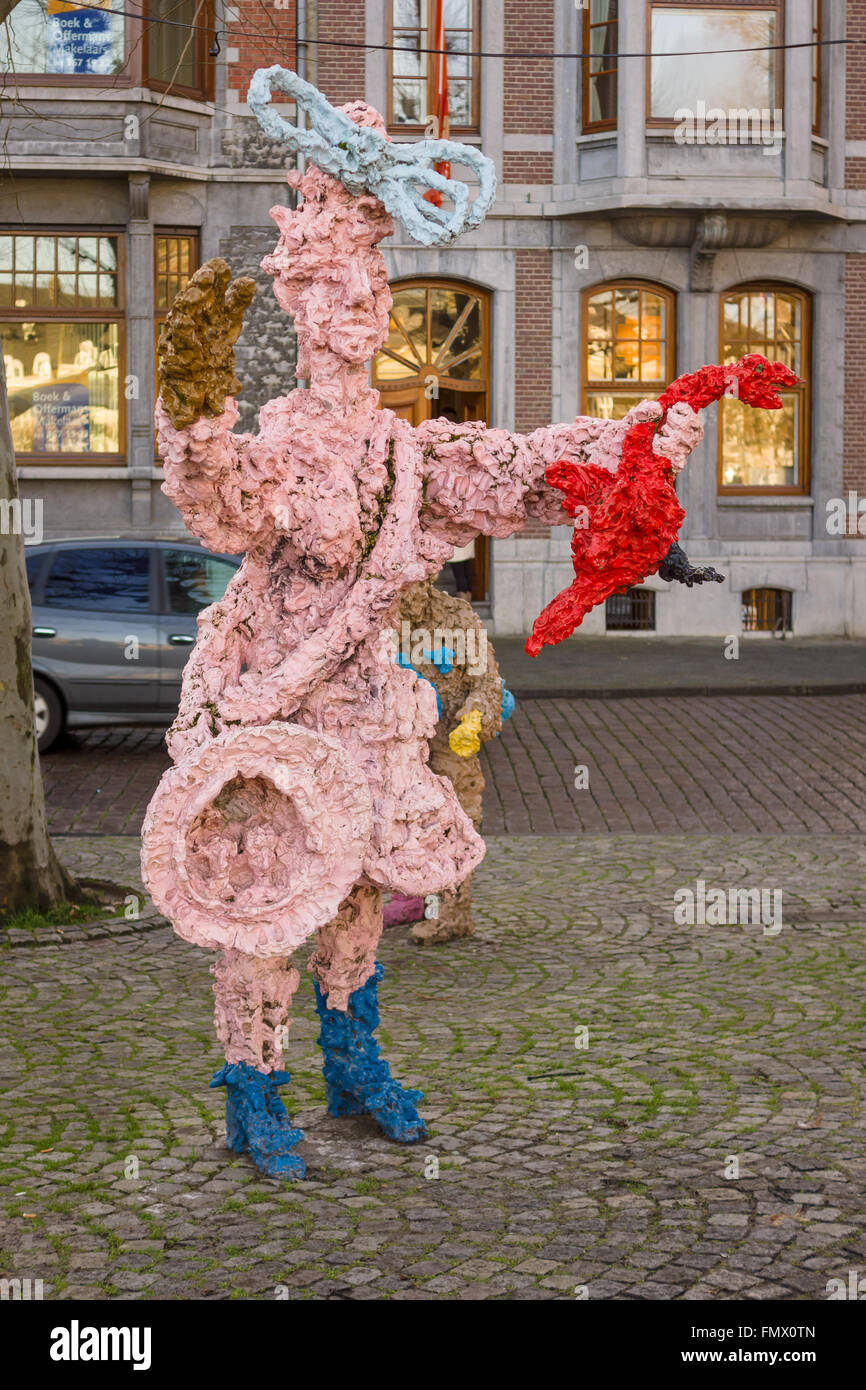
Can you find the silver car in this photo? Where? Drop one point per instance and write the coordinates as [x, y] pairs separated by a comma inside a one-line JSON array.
[[113, 623]]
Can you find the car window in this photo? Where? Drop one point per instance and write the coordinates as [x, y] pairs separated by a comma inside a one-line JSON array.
[[193, 579], [34, 563], [107, 580]]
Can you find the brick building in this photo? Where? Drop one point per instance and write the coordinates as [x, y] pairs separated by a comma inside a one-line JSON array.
[[653, 214]]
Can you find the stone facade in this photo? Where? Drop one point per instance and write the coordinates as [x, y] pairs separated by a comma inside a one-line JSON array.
[[266, 352]]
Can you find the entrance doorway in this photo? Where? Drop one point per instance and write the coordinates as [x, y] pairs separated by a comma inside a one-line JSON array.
[[436, 362]]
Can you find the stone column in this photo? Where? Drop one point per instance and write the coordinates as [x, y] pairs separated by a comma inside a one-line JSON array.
[[139, 385], [798, 100], [631, 94]]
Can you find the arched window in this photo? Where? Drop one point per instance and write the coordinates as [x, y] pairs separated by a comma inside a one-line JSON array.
[[438, 338], [628, 346], [766, 450]]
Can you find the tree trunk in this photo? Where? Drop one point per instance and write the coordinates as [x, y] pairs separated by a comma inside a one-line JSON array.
[[30, 874]]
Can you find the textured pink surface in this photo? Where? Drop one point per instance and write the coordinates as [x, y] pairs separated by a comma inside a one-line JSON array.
[[338, 507], [345, 954], [253, 842], [252, 1002]]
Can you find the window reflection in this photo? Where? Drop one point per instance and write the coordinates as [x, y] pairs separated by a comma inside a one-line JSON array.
[[60, 37], [434, 329], [62, 367], [762, 448], [412, 63], [193, 580], [600, 32], [626, 346], [91, 578], [728, 81], [62, 380], [173, 53]]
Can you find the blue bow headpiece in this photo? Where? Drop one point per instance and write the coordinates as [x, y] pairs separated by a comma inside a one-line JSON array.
[[365, 162]]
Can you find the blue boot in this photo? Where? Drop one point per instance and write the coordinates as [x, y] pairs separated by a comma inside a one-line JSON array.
[[257, 1122], [357, 1080]]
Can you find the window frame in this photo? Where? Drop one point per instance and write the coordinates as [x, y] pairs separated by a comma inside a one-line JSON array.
[[118, 314], [397, 127], [639, 598], [626, 388], [192, 234], [787, 606], [134, 71], [126, 77], [669, 122], [204, 91], [587, 124], [817, 69], [804, 432]]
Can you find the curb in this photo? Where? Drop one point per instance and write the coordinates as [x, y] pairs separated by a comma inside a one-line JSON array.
[[97, 930], [658, 692]]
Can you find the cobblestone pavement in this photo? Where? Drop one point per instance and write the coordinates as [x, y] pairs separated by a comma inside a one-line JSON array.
[[760, 765], [754, 764], [564, 1171]]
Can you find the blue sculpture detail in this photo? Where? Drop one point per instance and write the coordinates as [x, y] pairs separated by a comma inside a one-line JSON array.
[[507, 703], [257, 1122], [357, 1080], [442, 659], [365, 161]]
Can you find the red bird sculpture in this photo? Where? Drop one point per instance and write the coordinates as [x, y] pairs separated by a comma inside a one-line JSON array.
[[627, 522]]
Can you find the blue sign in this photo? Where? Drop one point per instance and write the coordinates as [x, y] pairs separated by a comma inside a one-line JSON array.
[[79, 41], [61, 419]]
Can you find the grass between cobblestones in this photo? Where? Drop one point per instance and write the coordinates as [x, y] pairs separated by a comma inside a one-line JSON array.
[[553, 1169]]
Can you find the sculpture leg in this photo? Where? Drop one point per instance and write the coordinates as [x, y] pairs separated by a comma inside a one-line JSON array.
[[454, 920], [358, 1080], [253, 997]]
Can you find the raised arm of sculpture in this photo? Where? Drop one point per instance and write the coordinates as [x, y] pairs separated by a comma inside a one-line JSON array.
[[491, 481], [194, 418]]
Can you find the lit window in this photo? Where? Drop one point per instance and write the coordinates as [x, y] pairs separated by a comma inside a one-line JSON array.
[[628, 348], [708, 80], [600, 33], [436, 333], [175, 259], [411, 74], [61, 321], [767, 610], [56, 37], [765, 448]]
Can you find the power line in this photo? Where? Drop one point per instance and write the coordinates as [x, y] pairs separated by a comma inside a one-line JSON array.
[[230, 30]]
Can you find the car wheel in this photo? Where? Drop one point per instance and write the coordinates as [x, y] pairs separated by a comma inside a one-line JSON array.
[[48, 715]]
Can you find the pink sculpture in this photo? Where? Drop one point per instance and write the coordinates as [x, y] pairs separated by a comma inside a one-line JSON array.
[[301, 788]]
